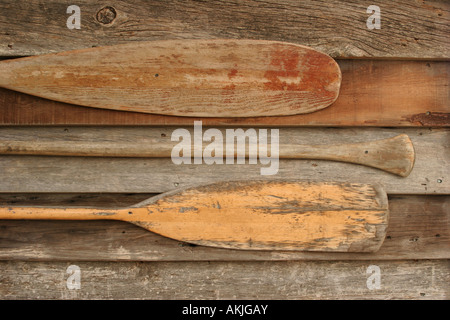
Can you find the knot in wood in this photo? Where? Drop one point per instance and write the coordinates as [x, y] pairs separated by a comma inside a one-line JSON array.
[[106, 15]]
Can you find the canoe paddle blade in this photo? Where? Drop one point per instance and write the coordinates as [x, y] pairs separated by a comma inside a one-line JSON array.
[[204, 78], [252, 215]]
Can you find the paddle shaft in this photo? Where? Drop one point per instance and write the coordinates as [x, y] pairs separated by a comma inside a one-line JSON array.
[[394, 155], [54, 213]]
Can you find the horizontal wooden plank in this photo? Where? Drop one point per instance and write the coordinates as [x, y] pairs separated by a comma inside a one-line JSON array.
[[23, 174], [407, 29], [226, 280], [418, 229], [373, 93]]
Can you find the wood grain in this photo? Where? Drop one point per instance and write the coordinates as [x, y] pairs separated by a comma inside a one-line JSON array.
[[284, 280], [156, 175], [395, 155], [251, 215], [418, 229], [408, 29], [373, 93], [411, 91], [199, 78]]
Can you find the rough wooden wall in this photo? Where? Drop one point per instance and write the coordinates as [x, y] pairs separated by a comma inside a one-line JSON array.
[[395, 80]]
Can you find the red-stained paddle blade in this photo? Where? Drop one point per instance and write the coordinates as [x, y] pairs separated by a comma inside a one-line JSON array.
[[205, 78]]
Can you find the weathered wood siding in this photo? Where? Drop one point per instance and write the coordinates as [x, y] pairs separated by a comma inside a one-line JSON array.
[[394, 80]]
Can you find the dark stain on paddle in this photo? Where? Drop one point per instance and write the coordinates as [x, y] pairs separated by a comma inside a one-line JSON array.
[[187, 209], [104, 213]]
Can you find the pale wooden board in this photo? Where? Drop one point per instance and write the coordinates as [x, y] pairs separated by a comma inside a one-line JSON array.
[[418, 229], [136, 175], [287, 280], [408, 29], [373, 93]]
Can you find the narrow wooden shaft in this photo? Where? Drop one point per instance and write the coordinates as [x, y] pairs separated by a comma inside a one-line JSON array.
[[155, 150], [394, 155], [67, 213], [85, 148]]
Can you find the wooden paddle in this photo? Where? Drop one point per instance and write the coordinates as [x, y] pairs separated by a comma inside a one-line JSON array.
[[201, 78], [253, 215], [394, 155]]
